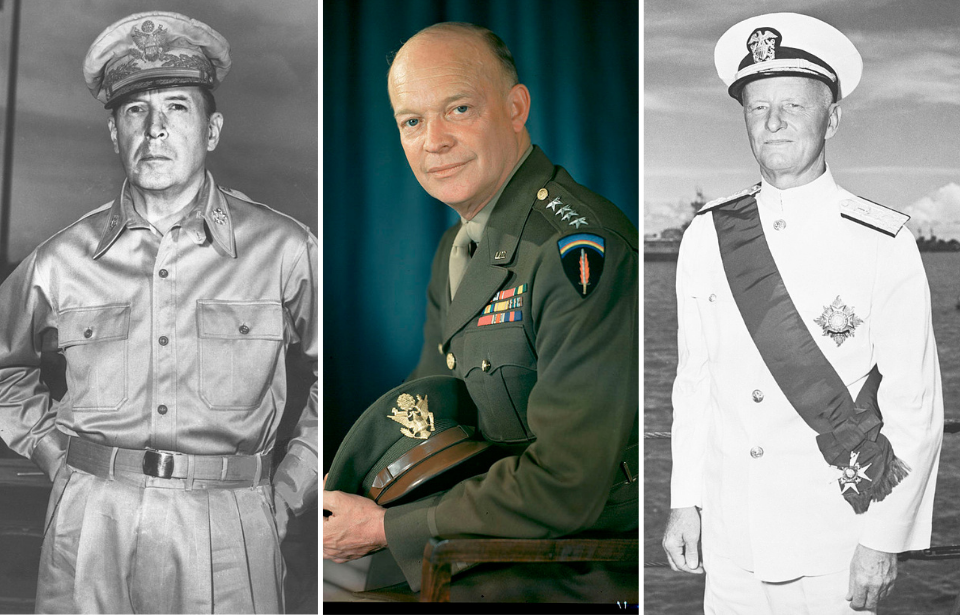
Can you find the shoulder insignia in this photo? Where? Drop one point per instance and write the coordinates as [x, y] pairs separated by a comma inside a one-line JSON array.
[[565, 213], [874, 215], [582, 258], [729, 199]]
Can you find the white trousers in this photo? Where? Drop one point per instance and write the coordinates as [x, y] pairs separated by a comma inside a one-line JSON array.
[[731, 590]]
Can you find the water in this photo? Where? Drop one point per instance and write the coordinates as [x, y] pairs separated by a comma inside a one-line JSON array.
[[922, 587]]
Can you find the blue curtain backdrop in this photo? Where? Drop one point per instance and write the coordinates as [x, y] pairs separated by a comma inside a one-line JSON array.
[[380, 229]]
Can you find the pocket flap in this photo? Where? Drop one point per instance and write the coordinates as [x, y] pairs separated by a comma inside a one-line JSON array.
[[256, 320], [89, 325], [497, 348]]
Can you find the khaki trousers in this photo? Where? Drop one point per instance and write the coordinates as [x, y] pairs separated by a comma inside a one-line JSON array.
[[150, 545]]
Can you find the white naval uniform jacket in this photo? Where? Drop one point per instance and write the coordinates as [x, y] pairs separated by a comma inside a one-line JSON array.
[[741, 452]]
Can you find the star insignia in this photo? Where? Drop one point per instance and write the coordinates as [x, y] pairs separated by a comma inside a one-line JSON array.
[[563, 210], [852, 474], [569, 215], [578, 222], [838, 321], [552, 205], [218, 216]]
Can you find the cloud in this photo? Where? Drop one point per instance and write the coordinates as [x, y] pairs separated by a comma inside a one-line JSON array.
[[664, 214], [936, 213]]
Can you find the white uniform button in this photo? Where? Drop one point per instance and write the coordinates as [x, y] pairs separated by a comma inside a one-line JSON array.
[[779, 225], [757, 395], [712, 298], [756, 452]]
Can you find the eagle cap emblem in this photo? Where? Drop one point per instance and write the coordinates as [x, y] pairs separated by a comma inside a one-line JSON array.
[[838, 321], [149, 40], [763, 44], [414, 416]]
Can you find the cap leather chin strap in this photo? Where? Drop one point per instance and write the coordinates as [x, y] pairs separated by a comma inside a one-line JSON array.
[[427, 460]]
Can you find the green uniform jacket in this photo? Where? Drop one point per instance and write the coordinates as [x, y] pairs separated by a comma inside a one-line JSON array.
[[561, 382]]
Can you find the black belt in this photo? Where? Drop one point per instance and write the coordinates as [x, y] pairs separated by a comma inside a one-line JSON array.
[[111, 462]]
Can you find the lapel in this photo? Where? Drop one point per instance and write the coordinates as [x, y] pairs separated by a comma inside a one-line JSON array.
[[486, 273]]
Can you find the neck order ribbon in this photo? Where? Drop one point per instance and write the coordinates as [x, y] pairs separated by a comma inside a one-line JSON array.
[[849, 432]]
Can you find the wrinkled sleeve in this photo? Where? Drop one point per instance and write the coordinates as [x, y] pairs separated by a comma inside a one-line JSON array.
[[582, 410], [27, 411], [909, 396], [295, 480], [691, 389]]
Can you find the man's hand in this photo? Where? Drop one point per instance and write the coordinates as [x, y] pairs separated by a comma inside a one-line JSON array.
[[681, 540], [872, 574], [354, 527]]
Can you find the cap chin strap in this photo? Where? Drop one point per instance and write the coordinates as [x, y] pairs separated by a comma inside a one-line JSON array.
[[787, 64]]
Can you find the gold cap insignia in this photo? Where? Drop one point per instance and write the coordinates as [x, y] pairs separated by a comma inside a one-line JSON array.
[[413, 414]]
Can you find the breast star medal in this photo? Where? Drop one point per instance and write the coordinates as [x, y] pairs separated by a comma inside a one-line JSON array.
[[413, 414], [838, 321], [851, 475]]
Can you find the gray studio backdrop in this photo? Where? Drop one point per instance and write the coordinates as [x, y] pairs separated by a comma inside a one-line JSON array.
[[380, 229]]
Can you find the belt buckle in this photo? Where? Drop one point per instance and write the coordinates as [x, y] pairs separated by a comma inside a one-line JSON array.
[[158, 464]]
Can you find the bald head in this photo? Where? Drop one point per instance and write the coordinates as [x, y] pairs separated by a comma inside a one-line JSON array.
[[460, 112]]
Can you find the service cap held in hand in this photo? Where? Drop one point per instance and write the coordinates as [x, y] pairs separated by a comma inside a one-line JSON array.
[[413, 434], [158, 49], [787, 44]]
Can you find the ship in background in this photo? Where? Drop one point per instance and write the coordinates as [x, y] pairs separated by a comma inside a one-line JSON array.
[[665, 245]]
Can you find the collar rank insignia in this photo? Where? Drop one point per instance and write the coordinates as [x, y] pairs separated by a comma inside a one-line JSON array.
[[413, 414], [582, 258], [218, 216], [838, 321], [851, 475]]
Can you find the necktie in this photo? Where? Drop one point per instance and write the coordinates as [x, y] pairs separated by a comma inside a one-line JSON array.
[[460, 255]]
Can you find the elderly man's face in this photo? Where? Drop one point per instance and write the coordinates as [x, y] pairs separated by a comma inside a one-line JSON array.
[[788, 121], [163, 137], [459, 121]]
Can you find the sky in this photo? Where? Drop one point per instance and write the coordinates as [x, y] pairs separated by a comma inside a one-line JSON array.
[[64, 164], [899, 137]]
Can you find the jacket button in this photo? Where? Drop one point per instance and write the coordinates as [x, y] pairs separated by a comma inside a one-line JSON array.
[[779, 225], [451, 360], [88, 333], [757, 395], [712, 298], [244, 329], [485, 366], [161, 409], [163, 273], [163, 340], [756, 452]]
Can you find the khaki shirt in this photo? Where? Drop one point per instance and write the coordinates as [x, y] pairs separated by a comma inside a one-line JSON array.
[[174, 342]]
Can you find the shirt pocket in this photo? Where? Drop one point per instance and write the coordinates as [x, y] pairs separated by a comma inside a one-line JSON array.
[[500, 370], [239, 345], [94, 342]]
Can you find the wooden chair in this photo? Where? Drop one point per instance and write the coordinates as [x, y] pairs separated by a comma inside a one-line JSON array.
[[440, 553]]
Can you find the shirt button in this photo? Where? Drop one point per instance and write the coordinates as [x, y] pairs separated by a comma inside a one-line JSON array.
[[451, 360], [757, 395], [244, 329], [712, 298], [485, 366], [756, 452], [88, 333], [779, 225], [162, 273], [163, 340], [161, 409]]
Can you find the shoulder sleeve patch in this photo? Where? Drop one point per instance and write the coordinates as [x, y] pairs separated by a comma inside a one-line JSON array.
[[874, 215], [581, 255], [729, 199]]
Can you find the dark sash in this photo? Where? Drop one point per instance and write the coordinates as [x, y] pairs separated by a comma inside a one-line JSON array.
[[849, 432]]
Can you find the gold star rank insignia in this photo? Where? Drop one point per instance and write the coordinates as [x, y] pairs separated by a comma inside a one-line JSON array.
[[838, 321]]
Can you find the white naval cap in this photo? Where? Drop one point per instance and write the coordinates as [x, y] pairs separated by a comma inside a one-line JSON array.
[[787, 44]]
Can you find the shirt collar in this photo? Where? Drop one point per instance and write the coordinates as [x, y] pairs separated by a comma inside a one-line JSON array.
[[479, 222], [818, 194], [210, 218]]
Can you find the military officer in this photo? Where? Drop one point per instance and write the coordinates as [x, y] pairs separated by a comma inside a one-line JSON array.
[[174, 306], [532, 301], [804, 313]]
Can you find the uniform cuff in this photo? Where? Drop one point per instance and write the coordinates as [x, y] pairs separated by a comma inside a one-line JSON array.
[[49, 452], [408, 529]]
